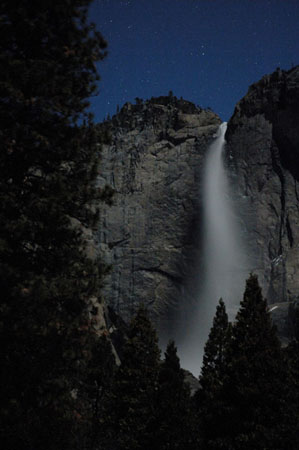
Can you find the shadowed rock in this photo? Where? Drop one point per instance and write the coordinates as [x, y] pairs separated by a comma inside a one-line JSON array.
[[263, 146]]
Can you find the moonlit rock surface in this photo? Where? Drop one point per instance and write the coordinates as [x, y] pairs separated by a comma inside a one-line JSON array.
[[225, 266]]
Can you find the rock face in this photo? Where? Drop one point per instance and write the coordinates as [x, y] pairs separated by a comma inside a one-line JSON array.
[[263, 151], [149, 235]]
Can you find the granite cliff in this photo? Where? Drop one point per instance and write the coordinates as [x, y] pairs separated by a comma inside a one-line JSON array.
[[263, 154], [151, 235], [154, 165]]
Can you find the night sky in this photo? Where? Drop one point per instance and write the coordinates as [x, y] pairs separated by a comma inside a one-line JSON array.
[[207, 51]]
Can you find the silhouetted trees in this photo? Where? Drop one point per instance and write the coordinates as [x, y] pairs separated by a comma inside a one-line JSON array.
[[215, 352], [250, 408], [149, 403], [130, 422], [48, 163], [292, 360], [175, 427], [60, 387], [255, 380], [208, 398], [248, 395]]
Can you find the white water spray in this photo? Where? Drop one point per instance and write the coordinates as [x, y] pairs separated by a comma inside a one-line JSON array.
[[223, 250], [225, 267]]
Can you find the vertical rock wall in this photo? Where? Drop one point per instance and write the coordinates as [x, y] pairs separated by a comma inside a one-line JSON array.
[[263, 151], [150, 234]]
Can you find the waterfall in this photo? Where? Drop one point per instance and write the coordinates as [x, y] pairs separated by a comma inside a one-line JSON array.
[[224, 263], [224, 257]]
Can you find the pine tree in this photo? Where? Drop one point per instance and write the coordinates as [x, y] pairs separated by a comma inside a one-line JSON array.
[[292, 397], [47, 192], [174, 429], [293, 321], [95, 393], [292, 360], [255, 413], [131, 422], [207, 398], [215, 351]]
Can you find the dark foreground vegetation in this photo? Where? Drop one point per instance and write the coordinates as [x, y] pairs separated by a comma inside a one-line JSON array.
[[248, 394], [60, 386]]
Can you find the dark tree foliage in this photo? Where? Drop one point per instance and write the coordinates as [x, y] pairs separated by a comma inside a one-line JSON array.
[[207, 398], [292, 397], [293, 321], [130, 423], [48, 53], [292, 360], [95, 391], [174, 415], [215, 352], [253, 399]]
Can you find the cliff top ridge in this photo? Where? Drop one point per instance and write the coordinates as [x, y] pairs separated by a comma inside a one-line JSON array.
[[160, 112]]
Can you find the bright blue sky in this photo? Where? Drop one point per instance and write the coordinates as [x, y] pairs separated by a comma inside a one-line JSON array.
[[207, 51]]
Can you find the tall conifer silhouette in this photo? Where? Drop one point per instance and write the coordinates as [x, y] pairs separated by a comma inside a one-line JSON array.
[[48, 165], [253, 397]]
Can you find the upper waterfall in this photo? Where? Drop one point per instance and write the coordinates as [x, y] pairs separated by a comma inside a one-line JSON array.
[[223, 254], [224, 260]]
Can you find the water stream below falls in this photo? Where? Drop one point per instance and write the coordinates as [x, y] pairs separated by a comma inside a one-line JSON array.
[[224, 262]]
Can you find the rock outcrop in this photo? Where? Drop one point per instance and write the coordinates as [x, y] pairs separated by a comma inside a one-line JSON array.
[[263, 153], [149, 235]]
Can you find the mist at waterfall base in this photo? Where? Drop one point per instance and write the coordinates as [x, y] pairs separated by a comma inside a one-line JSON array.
[[225, 265]]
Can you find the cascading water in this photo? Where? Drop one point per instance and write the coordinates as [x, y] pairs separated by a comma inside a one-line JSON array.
[[223, 250], [224, 263]]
